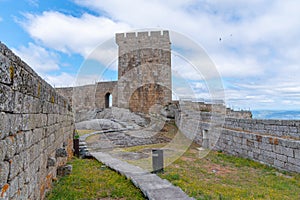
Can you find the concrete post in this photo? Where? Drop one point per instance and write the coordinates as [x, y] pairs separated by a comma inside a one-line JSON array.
[[157, 160]]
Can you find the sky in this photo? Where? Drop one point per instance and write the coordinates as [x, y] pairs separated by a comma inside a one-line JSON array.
[[254, 45]]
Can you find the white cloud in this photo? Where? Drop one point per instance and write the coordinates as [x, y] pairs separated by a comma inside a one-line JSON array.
[[69, 34], [233, 66], [40, 59], [106, 53], [61, 80]]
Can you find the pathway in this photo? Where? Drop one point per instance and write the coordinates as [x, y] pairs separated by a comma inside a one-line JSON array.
[[153, 187]]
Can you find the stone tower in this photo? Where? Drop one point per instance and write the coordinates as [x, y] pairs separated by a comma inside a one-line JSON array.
[[144, 70]]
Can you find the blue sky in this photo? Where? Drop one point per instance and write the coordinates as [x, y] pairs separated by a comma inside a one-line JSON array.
[[257, 56]]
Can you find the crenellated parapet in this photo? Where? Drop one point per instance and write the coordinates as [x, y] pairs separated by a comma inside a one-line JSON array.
[[136, 40], [142, 36]]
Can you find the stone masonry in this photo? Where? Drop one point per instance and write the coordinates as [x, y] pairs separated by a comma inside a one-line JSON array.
[[89, 97], [272, 142], [36, 130], [144, 70]]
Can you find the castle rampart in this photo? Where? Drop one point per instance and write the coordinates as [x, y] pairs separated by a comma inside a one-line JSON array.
[[35, 124], [273, 142]]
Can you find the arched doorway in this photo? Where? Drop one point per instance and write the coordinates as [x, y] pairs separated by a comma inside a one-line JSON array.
[[108, 100]]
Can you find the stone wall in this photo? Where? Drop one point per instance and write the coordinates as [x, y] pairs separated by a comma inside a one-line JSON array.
[[273, 142], [219, 108], [89, 98], [36, 130], [104, 88], [278, 128], [280, 152]]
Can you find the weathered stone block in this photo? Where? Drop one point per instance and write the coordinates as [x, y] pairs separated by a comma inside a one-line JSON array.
[[61, 152], [11, 145], [3, 150], [5, 125], [16, 123], [4, 172], [37, 134], [292, 167], [288, 152], [18, 102], [297, 153], [265, 146], [15, 165], [267, 159], [27, 104], [28, 136], [28, 122], [6, 70], [280, 164], [27, 175], [290, 143], [20, 141], [64, 170], [237, 140], [294, 161], [51, 162], [24, 160], [24, 192], [282, 158], [5, 190], [14, 186], [269, 153]]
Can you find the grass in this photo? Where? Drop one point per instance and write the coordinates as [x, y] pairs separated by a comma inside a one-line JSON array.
[[221, 176], [90, 179]]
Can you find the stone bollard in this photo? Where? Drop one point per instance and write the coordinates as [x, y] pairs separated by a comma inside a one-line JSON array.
[[157, 160], [205, 139]]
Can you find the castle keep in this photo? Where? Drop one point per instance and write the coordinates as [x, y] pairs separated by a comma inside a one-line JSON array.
[[144, 70]]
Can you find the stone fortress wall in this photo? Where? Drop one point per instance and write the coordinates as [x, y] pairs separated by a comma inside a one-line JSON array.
[[36, 130], [88, 97], [272, 142]]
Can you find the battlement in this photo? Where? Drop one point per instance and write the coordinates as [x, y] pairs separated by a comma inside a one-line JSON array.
[[141, 37], [121, 37]]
